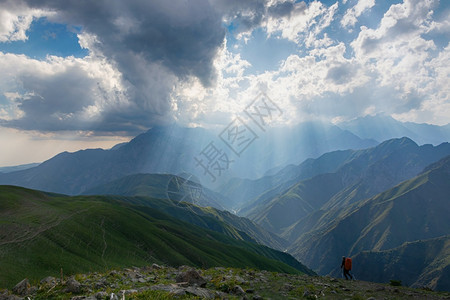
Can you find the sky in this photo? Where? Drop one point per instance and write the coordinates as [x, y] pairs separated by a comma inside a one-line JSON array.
[[78, 74]]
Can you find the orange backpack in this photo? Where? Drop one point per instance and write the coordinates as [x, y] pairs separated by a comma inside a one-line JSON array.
[[348, 263]]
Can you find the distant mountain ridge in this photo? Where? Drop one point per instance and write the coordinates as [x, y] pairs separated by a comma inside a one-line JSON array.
[[381, 127], [18, 168], [171, 150]]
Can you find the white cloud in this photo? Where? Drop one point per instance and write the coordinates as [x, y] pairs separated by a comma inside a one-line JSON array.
[[15, 20], [304, 22], [58, 93], [351, 15]]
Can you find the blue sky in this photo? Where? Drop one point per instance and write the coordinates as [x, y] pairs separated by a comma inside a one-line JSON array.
[[76, 76]]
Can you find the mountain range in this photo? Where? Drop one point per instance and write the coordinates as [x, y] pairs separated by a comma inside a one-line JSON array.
[[414, 210], [399, 185], [317, 191], [173, 149]]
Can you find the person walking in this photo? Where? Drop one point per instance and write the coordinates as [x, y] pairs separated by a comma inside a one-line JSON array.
[[346, 266]]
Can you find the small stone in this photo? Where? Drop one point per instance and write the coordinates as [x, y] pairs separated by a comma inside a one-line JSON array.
[[142, 280], [101, 295], [49, 281], [129, 292], [114, 297], [22, 287], [306, 293], [371, 298], [237, 290], [156, 267], [73, 286], [257, 297]]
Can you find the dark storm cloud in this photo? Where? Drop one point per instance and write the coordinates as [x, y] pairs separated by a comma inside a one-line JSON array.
[[183, 36], [153, 44]]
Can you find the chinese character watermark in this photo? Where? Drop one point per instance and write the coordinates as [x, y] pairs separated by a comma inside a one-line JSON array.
[[237, 136], [262, 110]]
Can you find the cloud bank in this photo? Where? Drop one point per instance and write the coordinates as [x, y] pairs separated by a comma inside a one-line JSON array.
[[155, 62]]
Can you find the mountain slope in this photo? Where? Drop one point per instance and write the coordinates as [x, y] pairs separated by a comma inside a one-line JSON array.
[[363, 174], [413, 210], [242, 191], [417, 264], [155, 186], [42, 233], [151, 186]]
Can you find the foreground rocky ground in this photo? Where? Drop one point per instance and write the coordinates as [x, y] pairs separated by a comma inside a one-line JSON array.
[[157, 282]]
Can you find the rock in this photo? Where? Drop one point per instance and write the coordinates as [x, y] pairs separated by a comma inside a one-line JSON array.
[[192, 277], [6, 296], [237, 290], [156, 267], [306, 293], [200, 292], [102, 283], [101, 295], [249, 291], [22, 287], [73, 286], [257, 297], [287, 287], [129, 292], [220, 295], [84, 298], [49, 281], [371, 298], [114, 297]]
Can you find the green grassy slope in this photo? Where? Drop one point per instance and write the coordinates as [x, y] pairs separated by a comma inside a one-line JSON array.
[[151, 186], [40, 233]]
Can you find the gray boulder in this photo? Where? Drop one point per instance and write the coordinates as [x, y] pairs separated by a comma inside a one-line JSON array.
[[22, 287], [73, 286], [192, 277]]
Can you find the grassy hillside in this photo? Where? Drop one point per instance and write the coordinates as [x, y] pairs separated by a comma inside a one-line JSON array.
[[41, 233], [151, 186], [155, 186], [417, 264]]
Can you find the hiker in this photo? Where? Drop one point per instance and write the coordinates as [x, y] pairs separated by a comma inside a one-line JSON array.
[[346, 266]]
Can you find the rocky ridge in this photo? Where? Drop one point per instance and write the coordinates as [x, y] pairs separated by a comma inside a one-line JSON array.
[[160, 282]]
